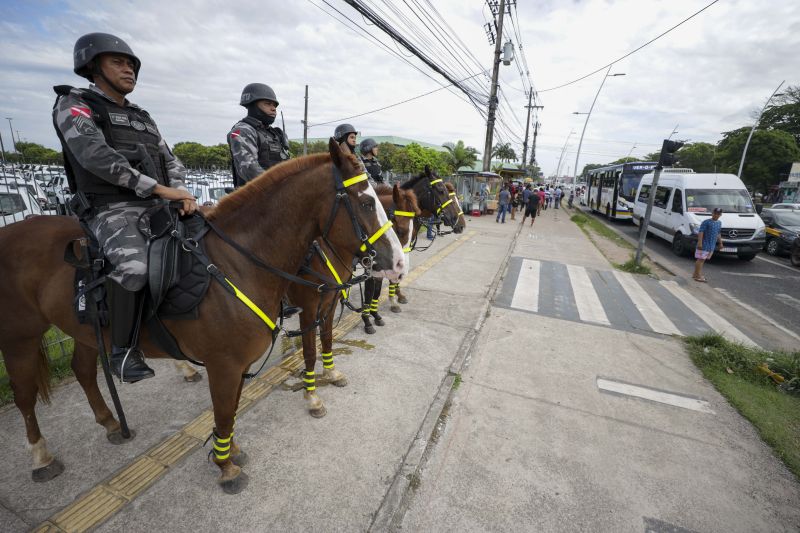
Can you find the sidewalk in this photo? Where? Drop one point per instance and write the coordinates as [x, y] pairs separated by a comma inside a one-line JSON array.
[[544, 434]]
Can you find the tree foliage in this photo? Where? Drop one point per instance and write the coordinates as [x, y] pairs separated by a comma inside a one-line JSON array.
[[504, 152], [414, 158], [34, 153], [770, 154], [461, 155], [698, 156], [316, 147], [785, 114], [197, 155]]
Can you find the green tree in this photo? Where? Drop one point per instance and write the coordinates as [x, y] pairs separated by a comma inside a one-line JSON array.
[[785, 114], [460, 155], [414, 158], [622, 160], [34, 153], [387, 155], [504, 152], [590, 166], [698, 156], [770, 154], [196, 155], [652, 156]]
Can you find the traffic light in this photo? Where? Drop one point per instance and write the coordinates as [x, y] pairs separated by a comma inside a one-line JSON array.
[[668, 149]]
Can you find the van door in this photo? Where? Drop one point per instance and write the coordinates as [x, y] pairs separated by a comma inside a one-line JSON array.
[[660, 217], [677, 221]]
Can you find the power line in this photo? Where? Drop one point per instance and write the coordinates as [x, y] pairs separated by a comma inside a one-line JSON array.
[[632, 51]]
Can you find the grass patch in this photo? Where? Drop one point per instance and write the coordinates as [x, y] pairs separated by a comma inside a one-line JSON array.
[[764, 387], [59, 348], [588, 223], [632, 267], [457, 382]]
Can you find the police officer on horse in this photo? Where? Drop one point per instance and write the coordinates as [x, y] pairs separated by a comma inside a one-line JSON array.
[[255, 144], [345, 134], [118, 166], [369, 152]]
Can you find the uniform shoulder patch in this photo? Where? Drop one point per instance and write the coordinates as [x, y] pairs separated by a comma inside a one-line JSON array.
[[235, 133], [80, 111]]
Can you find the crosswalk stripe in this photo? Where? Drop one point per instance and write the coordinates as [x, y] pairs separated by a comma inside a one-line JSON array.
[[711, 318], [650, 311], [589, 307], [526, 293]]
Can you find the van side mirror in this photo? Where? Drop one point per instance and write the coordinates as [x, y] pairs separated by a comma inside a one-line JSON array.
[[759, 208]]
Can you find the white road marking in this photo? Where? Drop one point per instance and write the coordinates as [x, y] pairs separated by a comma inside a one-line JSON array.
[[526, 293], [677, 400], [589, 307], [751, 275], [777, 264], [650, 311], [711, 318], [759, 313], [788, 300]]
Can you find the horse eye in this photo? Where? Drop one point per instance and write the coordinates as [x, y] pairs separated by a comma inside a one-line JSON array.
[[369, 205]]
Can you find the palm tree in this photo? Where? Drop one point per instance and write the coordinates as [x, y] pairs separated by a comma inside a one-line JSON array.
[[504, 152], [460, 155]]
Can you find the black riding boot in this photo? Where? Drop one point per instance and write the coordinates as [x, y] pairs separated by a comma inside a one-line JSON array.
[[126, 360]]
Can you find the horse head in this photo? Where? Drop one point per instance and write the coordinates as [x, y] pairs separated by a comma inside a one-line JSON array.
[[369, 230], [461, 223]]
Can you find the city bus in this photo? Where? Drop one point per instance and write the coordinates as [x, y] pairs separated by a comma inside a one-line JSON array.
[[611, 189]]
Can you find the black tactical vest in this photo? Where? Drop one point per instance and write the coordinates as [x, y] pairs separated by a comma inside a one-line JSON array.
[[127, 130], [373, 168], [271, 147]]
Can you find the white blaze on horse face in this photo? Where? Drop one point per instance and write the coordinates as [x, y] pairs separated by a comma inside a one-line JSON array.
[[398, 261]]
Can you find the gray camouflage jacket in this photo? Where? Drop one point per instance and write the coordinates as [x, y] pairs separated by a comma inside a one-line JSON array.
[[254, 150], [87, 143]]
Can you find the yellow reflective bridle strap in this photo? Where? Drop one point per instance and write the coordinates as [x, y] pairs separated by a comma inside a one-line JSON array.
[[408, 214], [434, 182], [354, 180], [441, 207], [407, 250], [333, 271], [377, 235], [249, 303]]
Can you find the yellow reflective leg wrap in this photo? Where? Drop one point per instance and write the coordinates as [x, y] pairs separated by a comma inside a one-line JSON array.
[[374, 307], [327, 360], [222, 447], [392, 289], [310, 381]]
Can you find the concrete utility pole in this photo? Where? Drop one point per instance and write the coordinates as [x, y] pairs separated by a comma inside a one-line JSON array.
[[305, 125], [11, 127], [746, 144], [2, 149], [530, 107], [533, 147], [487, 147]]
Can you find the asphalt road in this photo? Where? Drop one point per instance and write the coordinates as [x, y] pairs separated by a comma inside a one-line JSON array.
[[769, 284]]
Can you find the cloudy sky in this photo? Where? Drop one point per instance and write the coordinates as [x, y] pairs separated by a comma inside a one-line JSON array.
[[707, 76]]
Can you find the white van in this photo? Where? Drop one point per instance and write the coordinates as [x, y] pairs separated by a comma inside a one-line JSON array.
[[683, 201]]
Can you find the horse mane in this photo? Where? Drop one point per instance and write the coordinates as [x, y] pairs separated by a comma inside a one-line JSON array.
[[411, 182], [450, 186], [387, 190], [270, 178], [381, 189]]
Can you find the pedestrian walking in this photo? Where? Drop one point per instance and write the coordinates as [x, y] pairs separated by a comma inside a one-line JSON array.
[[503, 203], [542, 198], [557, 194], [532, 209], [709, 236], [571, 197], [115, 185], [526, 195], [255, 144], [514, 201]]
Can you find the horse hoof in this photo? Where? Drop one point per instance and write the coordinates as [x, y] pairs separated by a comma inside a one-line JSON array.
[[395, 309], [318, 413], [235, 485], [402, 299], [379, 321], [369, 329], [116, 438], [46, 473], [194, 378], [240, 459], [340, 383]]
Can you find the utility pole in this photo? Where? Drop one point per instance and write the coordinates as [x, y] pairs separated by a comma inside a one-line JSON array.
[[3, 150], [305, 125], [530, 106], [11, 128], [487, 148], [533, 148]]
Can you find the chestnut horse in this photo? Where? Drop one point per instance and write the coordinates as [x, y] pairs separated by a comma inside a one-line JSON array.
[[402, 207], [276, 216], [434, 199]]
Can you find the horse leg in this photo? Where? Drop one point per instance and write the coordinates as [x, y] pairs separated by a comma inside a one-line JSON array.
[[190, 375], [84, 365], [238, 456], [376, 294], [27, 370], [393, 304], [365, 312], [313, 402], [401, 298], [329, 372], [225, 384]]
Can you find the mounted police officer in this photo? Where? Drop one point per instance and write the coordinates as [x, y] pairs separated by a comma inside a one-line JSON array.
[[118, 166], [345, 134], [255, 144], [369, 152]]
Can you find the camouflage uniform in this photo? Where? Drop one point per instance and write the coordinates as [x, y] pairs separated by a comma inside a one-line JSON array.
[[114, 225], [255, 148], [373, 168]]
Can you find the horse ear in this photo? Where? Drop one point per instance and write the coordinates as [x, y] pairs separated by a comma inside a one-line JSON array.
[[427, 171], [396, 194], [336, 152]]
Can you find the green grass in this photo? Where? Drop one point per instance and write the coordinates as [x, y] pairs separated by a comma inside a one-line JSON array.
[[457, 382], [587, 223], [59, 348], [632, 267], [774, 409]]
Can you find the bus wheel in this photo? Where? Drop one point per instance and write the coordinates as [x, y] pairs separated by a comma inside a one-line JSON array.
[[679, 247]]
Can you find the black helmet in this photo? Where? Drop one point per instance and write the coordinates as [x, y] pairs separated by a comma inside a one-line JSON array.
[[253, 92], [93, 44], [342, 131], [367, 145]]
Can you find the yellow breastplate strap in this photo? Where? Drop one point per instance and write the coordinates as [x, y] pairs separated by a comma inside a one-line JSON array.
[[333, 271], [253, 307]]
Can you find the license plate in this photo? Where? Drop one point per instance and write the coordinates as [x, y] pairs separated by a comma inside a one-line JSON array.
[[729, 249]]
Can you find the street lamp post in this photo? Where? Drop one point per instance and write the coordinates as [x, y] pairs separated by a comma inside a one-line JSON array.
[[589, 114], [746, 144], [11, 127], [563, 150]]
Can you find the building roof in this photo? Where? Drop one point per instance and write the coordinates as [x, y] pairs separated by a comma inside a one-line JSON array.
[[391, 139]]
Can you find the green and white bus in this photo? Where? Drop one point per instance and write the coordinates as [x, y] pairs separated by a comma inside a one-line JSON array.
[[611, 189]]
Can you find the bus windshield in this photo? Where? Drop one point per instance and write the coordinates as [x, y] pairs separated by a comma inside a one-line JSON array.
[[628, 186], [729, 200]]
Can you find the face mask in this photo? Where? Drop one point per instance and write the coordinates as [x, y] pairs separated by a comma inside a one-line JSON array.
[[256, 113]]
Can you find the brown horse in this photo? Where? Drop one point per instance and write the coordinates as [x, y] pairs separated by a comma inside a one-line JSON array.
[[432, 202], [276, 217], [402, 207]]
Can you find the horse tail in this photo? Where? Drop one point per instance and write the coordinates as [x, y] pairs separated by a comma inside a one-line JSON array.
[[43, 377]]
